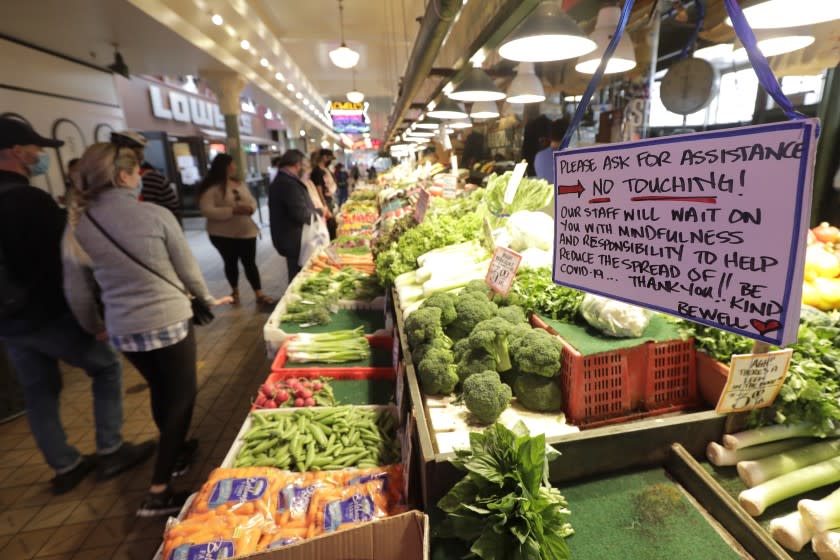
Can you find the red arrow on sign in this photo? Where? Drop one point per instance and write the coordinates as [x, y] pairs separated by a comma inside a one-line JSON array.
[[570, 189]]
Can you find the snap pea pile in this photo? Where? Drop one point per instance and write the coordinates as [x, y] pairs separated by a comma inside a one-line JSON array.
[[322, 439]]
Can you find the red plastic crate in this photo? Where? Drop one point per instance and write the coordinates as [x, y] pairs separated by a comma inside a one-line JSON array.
[[620, 385], [337, 372]]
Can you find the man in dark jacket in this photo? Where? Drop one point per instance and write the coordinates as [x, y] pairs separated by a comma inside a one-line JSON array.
[[37, 326], [289, 208]]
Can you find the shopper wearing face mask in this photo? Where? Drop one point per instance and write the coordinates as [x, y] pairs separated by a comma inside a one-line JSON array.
[[134, 256], [37, 326]]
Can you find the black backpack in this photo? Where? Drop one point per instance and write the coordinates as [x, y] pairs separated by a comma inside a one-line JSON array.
[[13, 296]]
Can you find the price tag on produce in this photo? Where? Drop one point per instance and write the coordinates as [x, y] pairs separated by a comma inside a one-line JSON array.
[[515, 179], [421, 206], [502, 270], [754, 381], [449, 183]]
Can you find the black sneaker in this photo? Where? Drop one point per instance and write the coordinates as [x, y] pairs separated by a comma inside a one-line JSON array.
[[65, 482], [163, 503], [185, 458], [127, 456]]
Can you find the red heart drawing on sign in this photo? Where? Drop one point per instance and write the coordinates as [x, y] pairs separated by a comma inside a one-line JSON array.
[[764, 327]]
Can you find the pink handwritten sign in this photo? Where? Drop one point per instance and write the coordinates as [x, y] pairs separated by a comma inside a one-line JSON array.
[[710, 227]]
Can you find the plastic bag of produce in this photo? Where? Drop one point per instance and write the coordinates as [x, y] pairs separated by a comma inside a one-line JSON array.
[[614, 318], [335, 509], [243, 491], [536, 259], [282, 536], [213, 537], [391, 476], [530, 230], [296, 495]]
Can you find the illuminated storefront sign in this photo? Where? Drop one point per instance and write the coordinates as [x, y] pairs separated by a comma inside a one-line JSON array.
[[348, 117], [185, 108]]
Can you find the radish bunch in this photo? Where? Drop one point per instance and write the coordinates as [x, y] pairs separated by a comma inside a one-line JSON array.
[[295, 392]]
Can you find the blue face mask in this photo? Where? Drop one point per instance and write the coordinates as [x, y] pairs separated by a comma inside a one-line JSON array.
[[41, 165]]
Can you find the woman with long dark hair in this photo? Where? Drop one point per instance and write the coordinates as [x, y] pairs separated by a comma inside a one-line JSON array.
[[227, 204]]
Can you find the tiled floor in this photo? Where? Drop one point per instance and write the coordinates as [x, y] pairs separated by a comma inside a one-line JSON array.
[[96, 521]]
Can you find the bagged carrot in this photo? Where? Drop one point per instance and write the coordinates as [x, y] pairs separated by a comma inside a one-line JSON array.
[[295, 496], [243, 491], [217, 538], [391, 477], [336, 509], [282, 536]]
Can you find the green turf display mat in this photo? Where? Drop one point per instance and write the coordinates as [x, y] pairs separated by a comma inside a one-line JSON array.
[[363, 391], [371, 320], [727, 478], [587, 340]]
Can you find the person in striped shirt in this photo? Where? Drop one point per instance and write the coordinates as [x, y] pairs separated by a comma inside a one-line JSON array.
[[155, 187]]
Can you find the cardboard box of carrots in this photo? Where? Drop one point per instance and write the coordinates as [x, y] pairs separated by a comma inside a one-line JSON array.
[[249, 510]]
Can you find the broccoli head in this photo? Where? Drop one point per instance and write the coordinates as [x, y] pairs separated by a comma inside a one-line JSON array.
[[444, 301], [437, 373], [518, 331], [423, 326], [513, 314], [537, 352], [538, 393], [476, 287], [474, 361], [491, 335], [485, 396], [419, 352], [460, 348], [510, 299], [472, 308]]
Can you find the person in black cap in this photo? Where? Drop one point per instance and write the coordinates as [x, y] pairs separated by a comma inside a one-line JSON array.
[[154, 186], [37, 326]]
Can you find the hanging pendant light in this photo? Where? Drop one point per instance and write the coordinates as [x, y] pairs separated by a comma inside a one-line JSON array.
[[624, 57], [460, 124], [547, 34], [526, 87], [476, 86], [354, 95], [775, 14], [448, 109], [773, 42], [484, 110], [343, 56], [427, 124]]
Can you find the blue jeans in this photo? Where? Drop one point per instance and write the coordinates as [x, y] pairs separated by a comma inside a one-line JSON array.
[[35, 357]]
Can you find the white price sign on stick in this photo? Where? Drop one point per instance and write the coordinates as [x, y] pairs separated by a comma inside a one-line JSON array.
[[502, 270], [754, 381], [515, 179], [453, 161], [421, 206]]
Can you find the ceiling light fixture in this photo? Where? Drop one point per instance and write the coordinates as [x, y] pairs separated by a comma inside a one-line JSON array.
[[547, 34], [775, 14], [773, 42], [279, 76], [484, 110], [290, 87], [448, 109], [264, 62], [460, 124], [298, 95], [354, 95], [624, 57], [573, 98], [526, 87], [217, 19], [476, 86], [343, 56]]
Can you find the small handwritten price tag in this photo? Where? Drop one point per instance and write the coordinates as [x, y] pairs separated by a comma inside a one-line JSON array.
[[449, 183], [754, 381], [421, 206], [502, 270], [515, 179]]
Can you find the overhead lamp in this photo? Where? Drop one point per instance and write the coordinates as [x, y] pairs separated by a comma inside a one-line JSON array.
[[420, 133], [484, 110], [245, 44], [119, 66], [776, 14], [547, 34], [476, 86], [448, 109], [217, 19], [302, 132], [279, 76], [772, 42], [290, 87], [624, 57], [298, 95], [354, 95], [343, 56], [459, 124], [526, 87], [429, 124], [264, 62]]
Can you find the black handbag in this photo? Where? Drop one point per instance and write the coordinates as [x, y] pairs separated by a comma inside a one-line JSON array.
[[202, 314]]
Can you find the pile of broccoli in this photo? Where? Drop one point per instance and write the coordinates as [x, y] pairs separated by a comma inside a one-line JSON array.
[[469, 339]]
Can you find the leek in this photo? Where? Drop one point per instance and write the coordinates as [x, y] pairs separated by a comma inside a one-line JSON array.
[[408, 310], [767, 434], [410, 294], [405, 279], [790, 531], [330, 347], [458, 279], [720, 456], [753, 473], [821, 515], [755, 500], [827, 545]]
